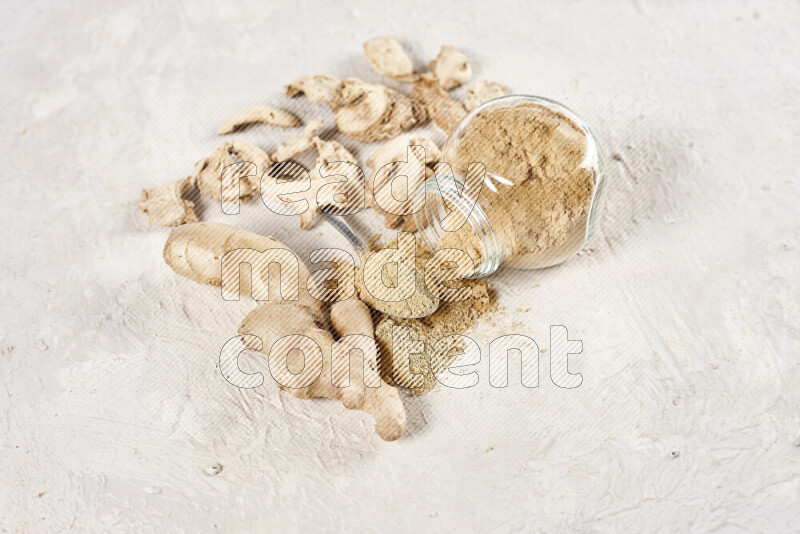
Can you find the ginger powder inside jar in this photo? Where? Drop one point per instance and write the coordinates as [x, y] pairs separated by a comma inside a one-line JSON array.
[[539, 198]]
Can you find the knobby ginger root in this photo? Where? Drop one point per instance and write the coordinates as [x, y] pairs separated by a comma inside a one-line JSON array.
[[386, 55], [451, 68], [259, 113], [297, 145], [274, 321], [195, 251], [445, 112], [209, 170], [164, 206], [482, 91]]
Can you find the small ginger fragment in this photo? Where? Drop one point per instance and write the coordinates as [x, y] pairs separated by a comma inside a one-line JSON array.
[[482, 91], [451, 68], [208, 172], [393, 151], [317, 88], [445, 112], [259, 114], [327, 152], [387, 56], [164, 206], [297, 145], [273, 322]]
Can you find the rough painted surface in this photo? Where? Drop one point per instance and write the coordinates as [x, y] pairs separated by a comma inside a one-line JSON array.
[[112, 412]]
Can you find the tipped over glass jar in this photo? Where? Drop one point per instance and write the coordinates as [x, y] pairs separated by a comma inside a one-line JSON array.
[[539, 199]]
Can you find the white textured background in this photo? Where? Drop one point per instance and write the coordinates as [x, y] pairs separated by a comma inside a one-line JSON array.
[[688, 302]]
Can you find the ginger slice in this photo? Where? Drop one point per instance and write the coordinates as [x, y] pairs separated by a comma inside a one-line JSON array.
[[164, 206], [387, 56], [445, 112], [297, 145], [371, 112], [327, 152], [397, 150], [259, 114], [451, 68], [208, 172], [317, 88], [482, 91], [272, 322]]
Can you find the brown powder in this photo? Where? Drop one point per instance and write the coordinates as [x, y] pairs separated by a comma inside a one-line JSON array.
[[450, 318], [542, 217]]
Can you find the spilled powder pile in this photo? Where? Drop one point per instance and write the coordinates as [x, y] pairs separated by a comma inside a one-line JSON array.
[[542, 217], [421, 303], [417, 372]]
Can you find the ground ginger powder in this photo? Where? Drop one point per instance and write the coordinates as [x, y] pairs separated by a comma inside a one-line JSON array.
[[542, 213]]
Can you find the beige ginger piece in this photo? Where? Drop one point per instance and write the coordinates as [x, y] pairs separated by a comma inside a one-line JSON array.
[[445, 112], [451, 67], [327, 152], [387, 56], [364, 111], [317, 88], [273, 322], [208, 172], [482, 91], [259, 114], [164, 206], [371, 112], [195, 251], [396, 150], [297, 145]]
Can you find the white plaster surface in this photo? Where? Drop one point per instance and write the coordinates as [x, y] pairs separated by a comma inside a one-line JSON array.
[[688, 303]]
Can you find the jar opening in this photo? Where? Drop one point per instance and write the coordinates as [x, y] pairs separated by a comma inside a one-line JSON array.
[[438, 198]]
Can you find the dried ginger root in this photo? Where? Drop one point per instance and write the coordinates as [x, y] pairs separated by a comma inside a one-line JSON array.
[[364, 111], [396, 150], [317, 88], [194, 251], [451, 68], [259, 114], [273, 321], [209, 170], [482, 91], [297, 145], [164, 206], [445, 112], [386, 55]]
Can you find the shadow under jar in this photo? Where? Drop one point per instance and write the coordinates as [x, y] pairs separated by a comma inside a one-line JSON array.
[[537, 203]]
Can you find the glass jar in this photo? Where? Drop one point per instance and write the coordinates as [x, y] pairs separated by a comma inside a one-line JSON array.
[[540, 195]]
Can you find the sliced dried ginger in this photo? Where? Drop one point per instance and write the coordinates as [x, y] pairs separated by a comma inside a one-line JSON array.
[[317, 88], [164, 206], [327, 152], [297, 145], [445, 112], [364, 111], [396, 150], [259, 114], [387, 56], [208, 172], [482, 91], [451, 68]]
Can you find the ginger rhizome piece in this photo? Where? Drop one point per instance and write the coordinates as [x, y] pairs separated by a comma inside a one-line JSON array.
[[382, 179], [195, 251], [482, 91], [364, 111], [164, 205], [208, 172], [445, 112], [259, 114], [451, 68], [273, 322], [387, 56], [297, 145]]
